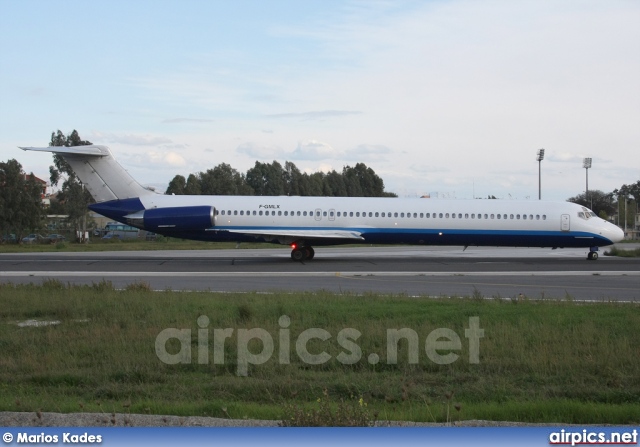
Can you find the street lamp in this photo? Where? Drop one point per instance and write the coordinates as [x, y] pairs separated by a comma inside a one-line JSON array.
[[539, 158], [586, 164]]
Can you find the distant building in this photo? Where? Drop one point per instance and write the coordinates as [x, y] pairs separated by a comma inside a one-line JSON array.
[[635, 232], [43, 184], [99, 219], [631, 231]]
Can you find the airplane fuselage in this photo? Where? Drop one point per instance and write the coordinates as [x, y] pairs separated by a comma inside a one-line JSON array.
[[377, 220]]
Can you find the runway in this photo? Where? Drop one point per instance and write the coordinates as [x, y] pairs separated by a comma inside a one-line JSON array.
[[414, 271]]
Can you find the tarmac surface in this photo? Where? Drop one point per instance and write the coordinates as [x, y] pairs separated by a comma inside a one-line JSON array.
[[478, 272]]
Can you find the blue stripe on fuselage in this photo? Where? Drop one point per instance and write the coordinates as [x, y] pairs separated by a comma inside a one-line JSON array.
[[442, 236]]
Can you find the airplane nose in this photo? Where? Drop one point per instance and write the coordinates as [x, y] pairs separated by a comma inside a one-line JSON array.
[[614, 233]]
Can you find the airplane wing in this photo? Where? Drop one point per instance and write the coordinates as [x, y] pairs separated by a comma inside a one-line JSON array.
[[302, 234]]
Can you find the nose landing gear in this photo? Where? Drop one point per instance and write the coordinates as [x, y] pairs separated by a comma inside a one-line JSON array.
[[593, 254]]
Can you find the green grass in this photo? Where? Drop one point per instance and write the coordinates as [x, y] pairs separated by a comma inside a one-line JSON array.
[[540, 361], [621, 252], [98, 245]]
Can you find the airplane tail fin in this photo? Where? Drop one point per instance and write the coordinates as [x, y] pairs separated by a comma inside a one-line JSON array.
[[101, 174]]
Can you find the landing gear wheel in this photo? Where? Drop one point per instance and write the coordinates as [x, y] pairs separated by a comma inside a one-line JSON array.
[[310, 253], [592, 256], [298, 254], [302, 254]]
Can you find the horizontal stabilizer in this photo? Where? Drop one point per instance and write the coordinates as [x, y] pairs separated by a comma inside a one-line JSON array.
[[98, 151]]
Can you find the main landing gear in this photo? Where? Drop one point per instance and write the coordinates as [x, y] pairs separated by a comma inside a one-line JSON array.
[[593, 254], [302, 253]]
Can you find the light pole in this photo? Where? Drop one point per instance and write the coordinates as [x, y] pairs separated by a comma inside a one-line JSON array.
[[586, 164], [539, 158]]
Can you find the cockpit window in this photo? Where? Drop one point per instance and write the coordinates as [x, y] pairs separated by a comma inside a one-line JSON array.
[[586, 213]]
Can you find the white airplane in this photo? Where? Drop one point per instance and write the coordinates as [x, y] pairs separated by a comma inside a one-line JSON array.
[[304, 222]]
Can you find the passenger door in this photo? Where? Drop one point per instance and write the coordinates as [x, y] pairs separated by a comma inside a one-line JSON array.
[[565, 223]]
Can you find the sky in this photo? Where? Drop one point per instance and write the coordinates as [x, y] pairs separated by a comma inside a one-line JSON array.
[[451, 98]]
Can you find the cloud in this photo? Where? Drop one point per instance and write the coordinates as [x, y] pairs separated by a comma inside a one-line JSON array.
[[131, 139], [306, 150], [568, 157], [315, 115], [368, 152], [563, 157], [314, 150], [422, 169], [186, 120], [172, 159], [157, 159], [322, 167], [260, 151], [175, 146]]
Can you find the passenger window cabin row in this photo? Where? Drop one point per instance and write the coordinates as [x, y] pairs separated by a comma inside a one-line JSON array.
[[334, 214]]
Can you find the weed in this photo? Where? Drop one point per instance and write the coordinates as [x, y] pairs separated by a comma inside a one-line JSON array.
[[448, 395], [476, 294], [53, 284], [102, 286], [615, 251], [329, 413], [138, 286], [244, 313]]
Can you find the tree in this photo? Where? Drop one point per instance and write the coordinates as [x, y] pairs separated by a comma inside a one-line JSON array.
[[333, 185], [362, 181], [177, 185], [20, 200], [315, 184], [625, 205], [223, 180], [73, 197], [629, 190], [266, 179], [272, 179], [599, 202], [293, 179], [193, 185]]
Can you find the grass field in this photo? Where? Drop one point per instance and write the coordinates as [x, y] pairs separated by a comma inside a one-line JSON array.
[[99, 245], [623, 253], [539, 361]]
